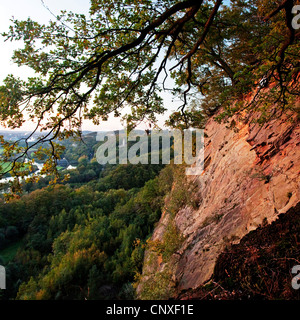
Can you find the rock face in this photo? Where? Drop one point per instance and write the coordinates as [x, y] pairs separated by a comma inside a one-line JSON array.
[[259, 267], [251, 176]]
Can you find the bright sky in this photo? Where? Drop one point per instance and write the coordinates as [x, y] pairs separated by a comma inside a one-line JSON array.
[[21, 10]]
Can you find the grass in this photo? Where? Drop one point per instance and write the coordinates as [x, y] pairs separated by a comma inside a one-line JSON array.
[[4, 165], [8, 253]]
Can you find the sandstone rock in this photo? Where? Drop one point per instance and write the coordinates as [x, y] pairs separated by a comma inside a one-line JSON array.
[[251, 176]]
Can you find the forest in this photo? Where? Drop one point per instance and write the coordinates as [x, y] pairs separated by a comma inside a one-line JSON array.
[[74, 229], [84, 238]]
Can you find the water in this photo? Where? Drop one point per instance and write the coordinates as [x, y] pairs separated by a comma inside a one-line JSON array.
[[40, 166]]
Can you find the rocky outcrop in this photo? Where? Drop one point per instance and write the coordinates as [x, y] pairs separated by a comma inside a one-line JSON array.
[[259, 267], [251, 176]]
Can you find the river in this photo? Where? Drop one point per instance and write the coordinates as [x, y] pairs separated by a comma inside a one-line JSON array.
[[39, 165]]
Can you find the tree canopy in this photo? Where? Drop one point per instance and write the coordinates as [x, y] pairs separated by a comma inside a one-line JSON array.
[[118, 59]]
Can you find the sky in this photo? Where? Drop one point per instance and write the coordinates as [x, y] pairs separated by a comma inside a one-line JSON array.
[[21, 10]]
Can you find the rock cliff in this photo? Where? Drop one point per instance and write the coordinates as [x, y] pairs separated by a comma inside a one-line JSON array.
[[251, 176]]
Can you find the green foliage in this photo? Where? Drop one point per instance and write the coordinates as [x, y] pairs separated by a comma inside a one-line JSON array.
[[171, 242], [127, 176], [183, 192], [116, 61], [9, 252], [158, 283], [79, 236], [81, 243], [158, 286]]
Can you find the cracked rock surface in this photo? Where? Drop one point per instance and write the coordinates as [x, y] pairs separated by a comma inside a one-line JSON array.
[[251, 176]]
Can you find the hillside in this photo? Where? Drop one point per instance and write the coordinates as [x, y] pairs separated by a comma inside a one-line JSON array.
[[259, 267], [251, 176]]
